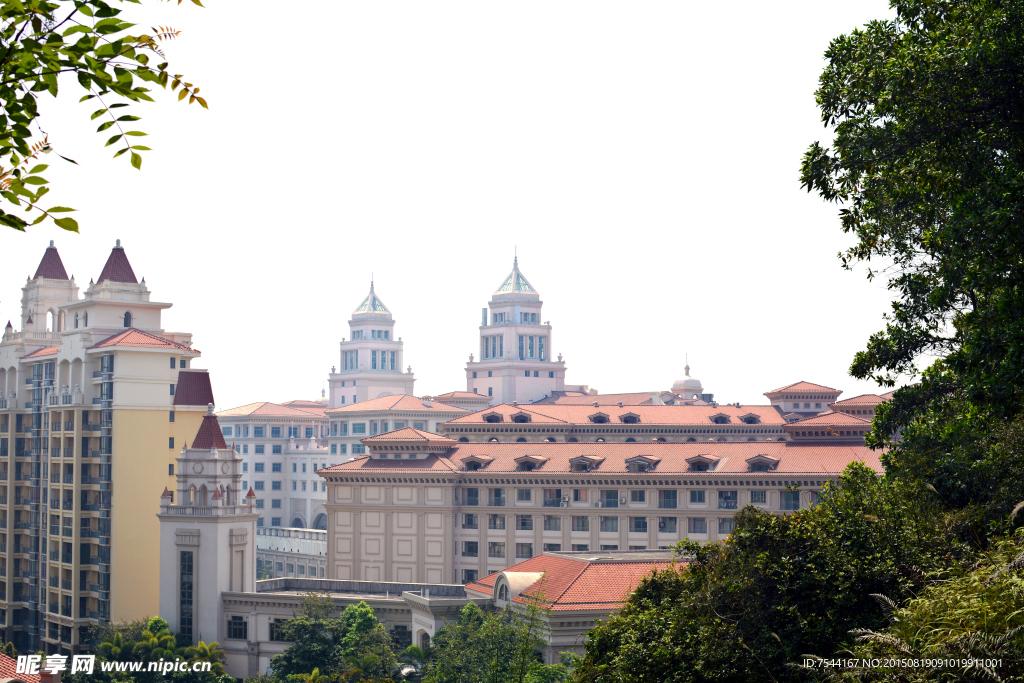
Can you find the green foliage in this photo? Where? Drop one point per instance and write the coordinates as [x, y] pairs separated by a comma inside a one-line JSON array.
[[928, 162], [354, 646], [157, 624], [43, 40], [207, 652], [9, 650], [778, 587], [492, 647]]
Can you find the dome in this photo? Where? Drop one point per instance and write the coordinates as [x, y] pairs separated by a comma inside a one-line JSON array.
[[687, 386]]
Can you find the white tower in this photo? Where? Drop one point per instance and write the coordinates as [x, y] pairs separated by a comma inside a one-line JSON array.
[[515, 347], [207, 536], [371, 361]]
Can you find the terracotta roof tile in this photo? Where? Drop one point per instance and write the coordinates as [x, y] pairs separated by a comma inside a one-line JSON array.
[[862, 400], [397, 402], [795, 459], [117, 268], [575, 398], [266, 409], [209, 434], [804, 387], [137, 338], [410, 435], [51, 267], [9, 667], [832, 418], [193, 389], [460, 394], [48, 351], [363, 462], [659, 415]]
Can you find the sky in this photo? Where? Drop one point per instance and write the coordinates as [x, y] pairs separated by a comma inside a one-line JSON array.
[[641, 158]]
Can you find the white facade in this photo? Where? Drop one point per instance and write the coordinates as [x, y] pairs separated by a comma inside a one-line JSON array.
[[350, 424], [281, 449], [515, 350], [370, 365]]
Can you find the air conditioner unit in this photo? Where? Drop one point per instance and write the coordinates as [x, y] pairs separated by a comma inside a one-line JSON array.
[[622, 501], [565, 499], [597, 504], [563, 504]]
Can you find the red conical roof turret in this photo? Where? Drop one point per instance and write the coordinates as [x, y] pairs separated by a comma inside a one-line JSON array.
[[51, 267], [117, 268]]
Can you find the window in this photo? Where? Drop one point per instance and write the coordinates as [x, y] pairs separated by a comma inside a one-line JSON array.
[[257, 432], [610, 498], [609, 547], [245, 449], [275, 486], [309, 432], [496, 497], [696, 497], [275, 432], [609, 524], [258, 485], [725, 525], [727, 500], [495, 521], [666, 525], [470, 549], [524, 522], [524, 495], [790, 500], [495, 549], [469, 575], [226, 431], [579, 495], [170, 442], [524, 551], [580, 523], [667, 499], [275, 467], [170, 470], [277, 630], [245, 467], [580, 547], [334, 449], [172, 390], [638, 525], [551, 373], [759, 497], [275, 521], [638, 496], [357, 449], [552, 498], [276, 449], [814, 497], [817, 405], [696, 525], [238, 627], [183, 364], [472, 496], [419, 425], [257, 467], [171, 416], [470, 522], [173, 362], [185, 587], [552, 547], [552, 523], [293, 432], [490, 391], [359, 428], [258, 449], [259, 504]]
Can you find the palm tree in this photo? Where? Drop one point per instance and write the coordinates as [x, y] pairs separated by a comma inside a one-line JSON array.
[[153, 646], [314, 677], [115, 649], [212, 653]]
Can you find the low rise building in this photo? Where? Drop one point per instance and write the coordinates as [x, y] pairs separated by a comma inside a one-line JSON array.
[[284, 552], [351, 424]]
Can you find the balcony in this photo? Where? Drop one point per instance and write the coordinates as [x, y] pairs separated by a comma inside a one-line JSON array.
[[69, 478], [65, 611], [67, 531], [55, 556], [55, 529], [66, 558], [65, 584], [3, 475], [54, 581], [55, 478], [52, 608], [69, 425], [70, 505]]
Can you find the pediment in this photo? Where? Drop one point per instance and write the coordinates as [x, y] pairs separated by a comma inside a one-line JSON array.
[[720, 419], [592, 462], [529, 461], [493, 417], [629, 418], [699, 463], [750, 419], [521, 417], [598, 418]]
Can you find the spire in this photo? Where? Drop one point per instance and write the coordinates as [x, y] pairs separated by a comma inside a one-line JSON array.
[[209, 434], [687, 368], [515, 282], [166, 493], [372, 303], [51, 267], [117, 268]]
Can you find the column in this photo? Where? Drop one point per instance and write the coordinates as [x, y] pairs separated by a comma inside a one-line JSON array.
[[421, 549]]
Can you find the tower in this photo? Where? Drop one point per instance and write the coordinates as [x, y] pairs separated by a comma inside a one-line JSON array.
[[44, 294], [207, 535], [371, 361], [515, 346]]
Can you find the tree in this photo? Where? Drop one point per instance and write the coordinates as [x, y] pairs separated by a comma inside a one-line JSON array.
[[155, 646], [42, 44], [207, 652]]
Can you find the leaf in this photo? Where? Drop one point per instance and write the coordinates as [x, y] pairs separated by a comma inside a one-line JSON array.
[[121, 151], [39, 169], [113, 140], [103, 126], [202, 102], [34, 180], [59, 209], [127, 117], [68, 223], [137, 160], [142, 147], [182, 94], [117, 105], [98, 113], [136, 133], [66, 159]]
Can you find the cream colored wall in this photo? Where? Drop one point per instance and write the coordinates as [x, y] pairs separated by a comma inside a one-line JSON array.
[[139, 473]]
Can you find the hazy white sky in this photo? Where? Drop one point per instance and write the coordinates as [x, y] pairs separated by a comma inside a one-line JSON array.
[[643, 157]]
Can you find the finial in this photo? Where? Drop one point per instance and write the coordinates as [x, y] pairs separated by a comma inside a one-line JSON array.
[[209, 409], [51, 243], [686, 369], [515, 257], [117, 244]]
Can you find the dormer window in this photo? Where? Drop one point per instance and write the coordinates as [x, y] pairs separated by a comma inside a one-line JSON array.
[[598, 418], [493, 417], [760, 467], [526, 467], [720, 419], [528, 463], [580, 467], [641, 463], [521, 418], [585, 463], [701, 463], [699, 467], [472, 466], [750, 419], [473, 463], [761, 463], [630, 418]]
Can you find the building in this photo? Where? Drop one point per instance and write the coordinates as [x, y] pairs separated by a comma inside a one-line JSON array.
[[371, 361], [515, 352], [573, 590], [282, 446], [285, 552], [802, 399], [350, 424], [462, 399], [423, 507], [97, 398]]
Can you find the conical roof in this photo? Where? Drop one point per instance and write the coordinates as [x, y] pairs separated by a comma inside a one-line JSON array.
[[371, 304], [51, 267], [515, 282], [117, 268]]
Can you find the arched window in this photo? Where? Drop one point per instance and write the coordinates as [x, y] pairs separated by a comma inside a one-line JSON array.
[[550, 439], [76, 321], [630, 440], [503, 592], [127, 319], [51, 322], [521, 440], [572, 439], [297, 523], [85, 319], [493, 439], [691, 439], [463, 439], [599, 439]]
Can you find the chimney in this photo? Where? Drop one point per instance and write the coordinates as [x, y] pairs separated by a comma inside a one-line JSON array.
[[428, 402]]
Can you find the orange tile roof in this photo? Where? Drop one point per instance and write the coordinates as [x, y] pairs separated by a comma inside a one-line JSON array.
[[267, 409], [575, 398], [659, 415], [832, 418], [48, 351], [9, 668], [795, 459], [862, 400], [312, 406], [51, 267], [574, 583], [804, 387], [461, 394], [410, 435], [136, 338], [396, 402]]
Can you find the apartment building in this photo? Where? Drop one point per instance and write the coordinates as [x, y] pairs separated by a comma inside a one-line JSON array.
[[351, 424], [96, 400], [424, 507], [281, 446]]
